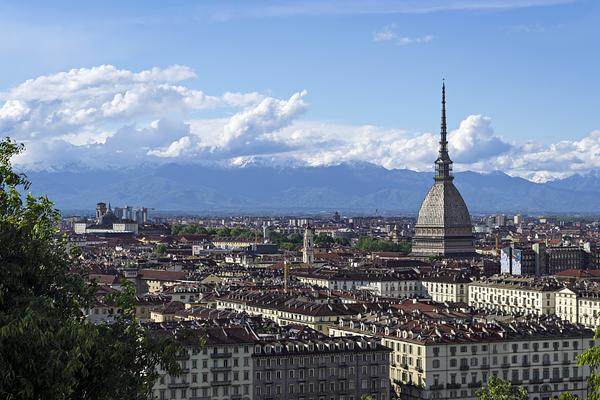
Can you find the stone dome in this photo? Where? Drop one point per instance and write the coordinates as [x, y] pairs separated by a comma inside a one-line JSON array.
[[444, 207]]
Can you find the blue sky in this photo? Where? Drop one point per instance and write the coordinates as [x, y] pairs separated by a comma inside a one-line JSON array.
[[528, 68]]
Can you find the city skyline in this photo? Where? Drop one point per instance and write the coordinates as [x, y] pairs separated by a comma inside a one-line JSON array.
[[299, 200], [283, 84]]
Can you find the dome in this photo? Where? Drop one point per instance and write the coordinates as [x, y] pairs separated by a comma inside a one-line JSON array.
[[443, 227], [444, 207]]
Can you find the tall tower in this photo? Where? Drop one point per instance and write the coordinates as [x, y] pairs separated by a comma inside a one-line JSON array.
[[286, 274], [308, 252], [444, 226], [100, 211]]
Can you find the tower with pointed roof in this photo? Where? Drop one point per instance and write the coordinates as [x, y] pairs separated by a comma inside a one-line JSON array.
[[308, 251], [444, 226]]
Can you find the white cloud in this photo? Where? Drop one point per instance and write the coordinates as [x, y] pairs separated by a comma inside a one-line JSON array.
[[105, 116], [475, 140], [268, 116], [389, 34], [175, 149]]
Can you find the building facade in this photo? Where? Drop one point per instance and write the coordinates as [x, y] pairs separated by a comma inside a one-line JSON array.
[[218, 368], [451, 360], [324, 369], [514, 295]]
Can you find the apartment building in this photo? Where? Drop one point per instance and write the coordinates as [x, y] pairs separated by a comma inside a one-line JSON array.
[[217, 367], [514, 295], [580, 304], [103, 308], [322, 369], [452, 359], [403, 284], [284, 309], [561, 258], [447, 286]]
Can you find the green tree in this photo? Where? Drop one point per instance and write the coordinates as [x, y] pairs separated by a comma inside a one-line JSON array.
[[323, 239], [342, 241], [224, 231], [591, 358], [160, 248], [48, 349], [500, 389], [368, 243], [567, 396]]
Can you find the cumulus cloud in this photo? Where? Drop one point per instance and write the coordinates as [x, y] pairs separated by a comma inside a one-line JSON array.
[[268, 116], [389, 34], [88, 99], [175, 149], [474, 140], [109, 117]]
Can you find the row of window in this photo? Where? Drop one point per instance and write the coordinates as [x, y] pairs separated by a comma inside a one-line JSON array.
[[216, 391], [322, 372], [514, 347], [322, 387]]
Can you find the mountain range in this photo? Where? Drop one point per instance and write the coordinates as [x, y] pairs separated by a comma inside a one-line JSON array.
[[357, 187]]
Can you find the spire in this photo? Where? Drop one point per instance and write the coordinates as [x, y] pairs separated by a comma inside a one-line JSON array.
[[443, 131], [443, 164]]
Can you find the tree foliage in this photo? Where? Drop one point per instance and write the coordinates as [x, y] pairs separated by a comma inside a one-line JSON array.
[[48, 349], [325, 240], [591, 358], [285, 242], [192, 229], [160, 248], [567, 396], [500, 389], [368, 243]]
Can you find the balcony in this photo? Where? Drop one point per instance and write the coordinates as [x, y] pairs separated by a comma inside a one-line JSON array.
[[536, 381], [176, 385], [452, 385], [220, 355], [485, 366], [566, 362], [221, 383], [464, 367], [474, 385], [419, 369], [436, 387], [546, 363], [526, 364], [219, 369], [505, 365]]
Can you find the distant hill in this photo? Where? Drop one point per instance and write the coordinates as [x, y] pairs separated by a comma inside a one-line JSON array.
[[360, 187]]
